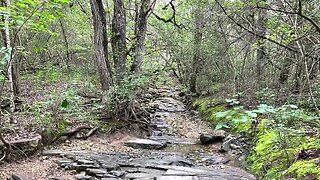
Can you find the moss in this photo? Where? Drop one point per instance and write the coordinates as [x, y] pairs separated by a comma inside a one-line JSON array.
[[208, 108], [305, 169]]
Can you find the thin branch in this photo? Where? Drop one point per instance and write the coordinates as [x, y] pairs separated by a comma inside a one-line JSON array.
[[292, 12], [261, 36], [172, 19]]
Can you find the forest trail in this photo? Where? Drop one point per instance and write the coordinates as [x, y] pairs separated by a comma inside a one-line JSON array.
[[173, 151]]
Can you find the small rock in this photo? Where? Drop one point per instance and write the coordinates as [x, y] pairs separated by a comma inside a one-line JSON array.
[[64, 162], [84, 161], [226, 145], [233, 146], [118, 173], [83, 177], [96, 172], [62, 139], [194, 113], [217, 136], [110, 167], [84, 167], [19, 177], [182, 94]]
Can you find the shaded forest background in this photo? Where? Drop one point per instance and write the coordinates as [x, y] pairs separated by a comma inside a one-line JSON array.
[[251, 66]]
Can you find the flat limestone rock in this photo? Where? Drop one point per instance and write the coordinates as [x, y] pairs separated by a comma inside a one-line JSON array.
[[52, 152], [215, 172], [145, 144], [179, 178], [96, 172], [28, 143]]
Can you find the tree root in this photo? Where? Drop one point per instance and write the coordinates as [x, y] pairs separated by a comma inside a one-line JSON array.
[[7, 149], [71, 132], [4, 156], [90, 133]]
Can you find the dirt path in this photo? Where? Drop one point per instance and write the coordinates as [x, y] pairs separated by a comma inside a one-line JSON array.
[[172, 152]]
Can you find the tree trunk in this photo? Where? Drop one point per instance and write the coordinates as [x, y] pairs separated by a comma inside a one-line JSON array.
[[285, 71], [197, 50], [10, 59], [101, 44], [65, 42], [141, 32], [261, 51], [118, 40]]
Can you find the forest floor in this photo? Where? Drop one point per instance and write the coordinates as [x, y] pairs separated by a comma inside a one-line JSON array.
[[173, 151]]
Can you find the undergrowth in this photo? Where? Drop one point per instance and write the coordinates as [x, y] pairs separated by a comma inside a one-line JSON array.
[[286, 139]]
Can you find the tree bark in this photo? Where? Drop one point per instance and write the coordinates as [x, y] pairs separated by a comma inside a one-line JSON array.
[[10, 69], [101, 44], [197, 50], [65, 42], [261, 51], [141, 32], [118, 40]]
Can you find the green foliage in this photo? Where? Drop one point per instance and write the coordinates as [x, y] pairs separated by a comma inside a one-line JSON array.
[[5, 55], [279, 137], [279, 140], [121, 95], [265, 96], [305, 169]]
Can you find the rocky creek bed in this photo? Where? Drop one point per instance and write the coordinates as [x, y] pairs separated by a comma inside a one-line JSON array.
[[173, 151]]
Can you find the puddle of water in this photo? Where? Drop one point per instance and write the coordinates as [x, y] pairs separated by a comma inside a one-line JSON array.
[[201, 151]]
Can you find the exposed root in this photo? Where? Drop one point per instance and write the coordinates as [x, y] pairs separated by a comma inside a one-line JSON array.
[[7, 149], [90, 133], [71, 132], [136, 115], [4, 156]]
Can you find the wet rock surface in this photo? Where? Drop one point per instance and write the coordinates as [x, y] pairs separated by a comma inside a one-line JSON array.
[[173, 151], [152, 165], [216, 136]]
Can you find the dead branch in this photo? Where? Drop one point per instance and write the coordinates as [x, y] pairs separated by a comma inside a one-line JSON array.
[[172, 19]]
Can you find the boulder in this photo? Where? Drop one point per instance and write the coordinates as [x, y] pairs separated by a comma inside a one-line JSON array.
[[216, 136]]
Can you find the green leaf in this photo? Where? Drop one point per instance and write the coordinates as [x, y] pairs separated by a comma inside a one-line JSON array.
[[221, 125], [65, 103], [222, 114], [252, 114]]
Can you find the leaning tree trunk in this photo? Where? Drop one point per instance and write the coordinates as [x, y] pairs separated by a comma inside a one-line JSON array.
[[197, 51], [141, 32], [101, 44], [118, 40]]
